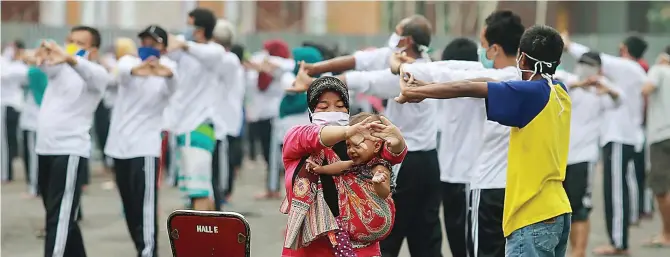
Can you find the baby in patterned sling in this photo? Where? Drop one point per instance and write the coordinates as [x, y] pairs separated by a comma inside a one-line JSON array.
[[366, 208]]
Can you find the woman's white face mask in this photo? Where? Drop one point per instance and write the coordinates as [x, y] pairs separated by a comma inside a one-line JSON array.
[[584, 71], [330, 118]]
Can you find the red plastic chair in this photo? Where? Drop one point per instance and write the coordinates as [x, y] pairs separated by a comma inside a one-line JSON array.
[[208, 233]]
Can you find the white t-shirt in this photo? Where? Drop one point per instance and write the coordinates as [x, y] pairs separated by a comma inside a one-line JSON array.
[[14, 77], [66, 114], [658, 112], [200, 68], [586, 122], [264, 105], [136, 123], [623, 124]]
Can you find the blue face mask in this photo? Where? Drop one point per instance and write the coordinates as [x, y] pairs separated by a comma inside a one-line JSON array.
[[146, 51], [188, 33], [488, 64]]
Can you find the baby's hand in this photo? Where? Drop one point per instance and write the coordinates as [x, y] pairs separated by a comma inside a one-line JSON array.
[[311, 166], [379, 177]]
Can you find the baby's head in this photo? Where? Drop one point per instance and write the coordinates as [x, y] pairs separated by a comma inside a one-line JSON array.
[[357, 154]]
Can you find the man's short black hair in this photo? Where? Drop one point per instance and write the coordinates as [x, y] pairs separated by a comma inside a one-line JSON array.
[[326, 52], [205, 19], [19, 44], [238, 50], [419, 29], [461, 49], [667, 49], [636, 46], [591, 58], [95, 34], [505, 29], [542, 43]]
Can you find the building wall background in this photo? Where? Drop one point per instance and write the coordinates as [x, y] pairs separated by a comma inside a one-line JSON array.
[[346, 17], [346, 24]]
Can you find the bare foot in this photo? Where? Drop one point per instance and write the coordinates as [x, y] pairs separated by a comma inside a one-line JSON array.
[[658, 242], [608, 250]]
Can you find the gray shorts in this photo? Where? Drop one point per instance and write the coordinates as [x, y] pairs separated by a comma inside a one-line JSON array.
[[659, 175]]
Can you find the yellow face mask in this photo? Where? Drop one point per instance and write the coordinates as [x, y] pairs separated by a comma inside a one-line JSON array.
[[74, 50]]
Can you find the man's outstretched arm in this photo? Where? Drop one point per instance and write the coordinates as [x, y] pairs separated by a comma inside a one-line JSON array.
[[464, 88]]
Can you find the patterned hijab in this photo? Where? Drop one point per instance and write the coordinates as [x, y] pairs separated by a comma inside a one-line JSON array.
[[323, 84]]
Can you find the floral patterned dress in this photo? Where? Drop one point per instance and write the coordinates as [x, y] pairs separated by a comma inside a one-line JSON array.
[[312, 228]]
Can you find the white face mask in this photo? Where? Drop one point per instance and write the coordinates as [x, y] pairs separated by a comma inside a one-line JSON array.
[[537, 69], [584, 71], [330, 118], [394, 40]]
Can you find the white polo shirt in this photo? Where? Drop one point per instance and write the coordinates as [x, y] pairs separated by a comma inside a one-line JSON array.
[[137, 120], [373, 77], [66, 114]]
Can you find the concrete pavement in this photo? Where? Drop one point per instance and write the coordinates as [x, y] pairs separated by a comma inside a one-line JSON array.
[[106, 235]]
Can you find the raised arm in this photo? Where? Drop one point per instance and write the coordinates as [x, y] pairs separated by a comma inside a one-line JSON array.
[[360, 60], [611, 95], [464, 88], [612, 66], [95, 76], [307, 139], [379, 83], [169, 68], [124, 69], [210, 55]]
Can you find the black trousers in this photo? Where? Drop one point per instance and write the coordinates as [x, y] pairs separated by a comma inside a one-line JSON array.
[[455, 208], [136, 179], [262, 131], [10, 142], [101, 122], [30, 161], [60, 184], [219, 171], [617, 201], [417, 199], [234, 162], [641, 200], [485, 224]]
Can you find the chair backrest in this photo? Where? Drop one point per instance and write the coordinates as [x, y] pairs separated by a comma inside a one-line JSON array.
[[208, 233]]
